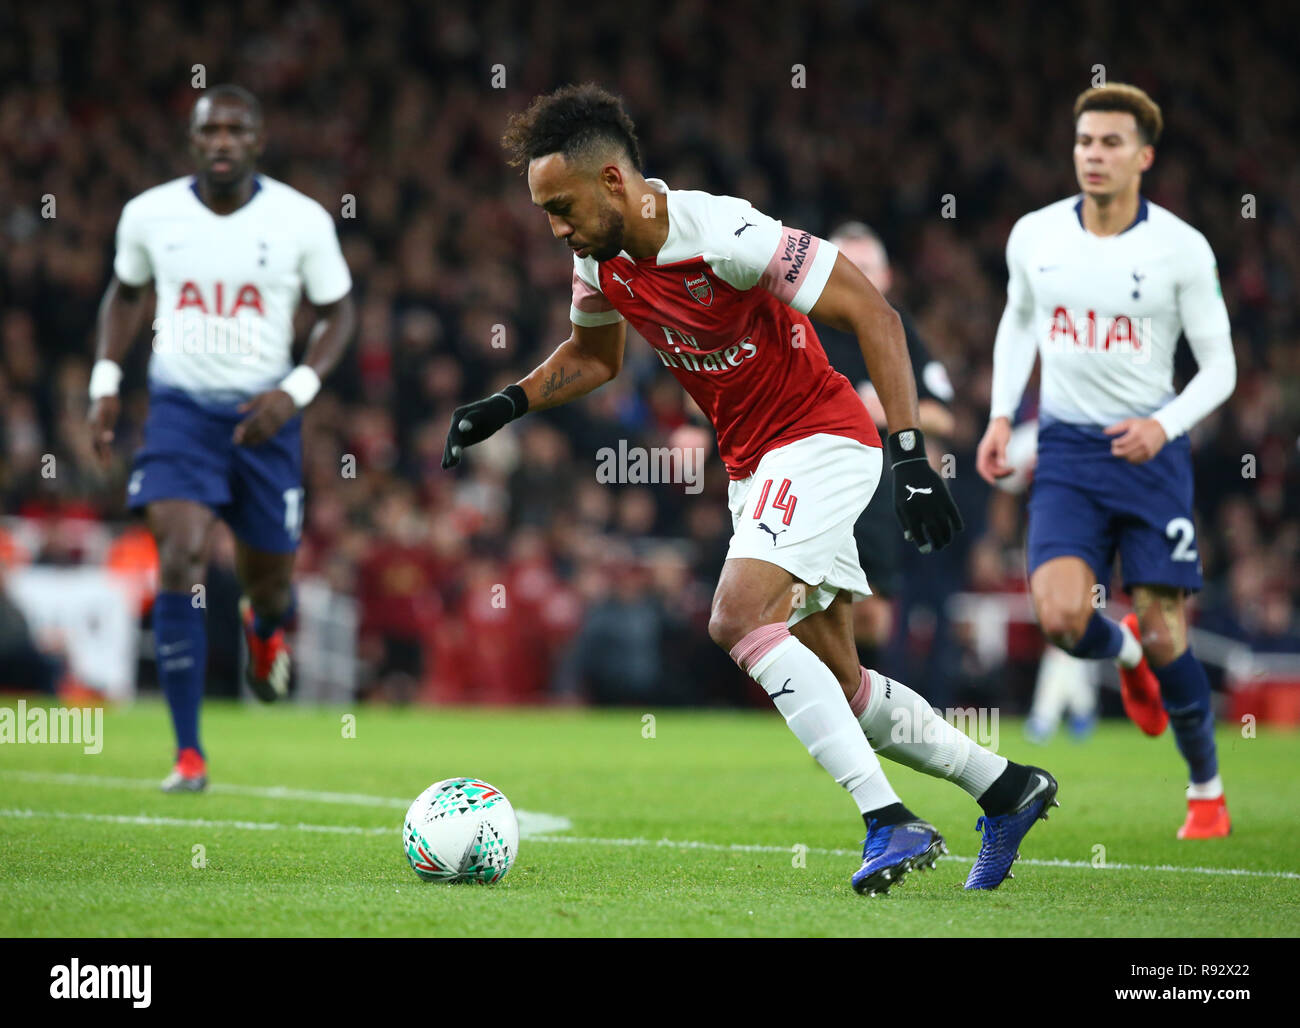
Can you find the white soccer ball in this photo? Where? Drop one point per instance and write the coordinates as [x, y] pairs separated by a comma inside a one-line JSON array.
[[1022, 455], [461, 830]]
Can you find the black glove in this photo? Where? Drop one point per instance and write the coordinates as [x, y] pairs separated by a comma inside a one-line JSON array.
[[475, 421], [922, 502]]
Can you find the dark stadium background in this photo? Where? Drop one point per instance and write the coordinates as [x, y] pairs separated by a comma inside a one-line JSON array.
[[608, 587]]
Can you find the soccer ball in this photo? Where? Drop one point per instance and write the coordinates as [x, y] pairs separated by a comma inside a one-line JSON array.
[[461, 830], [1022, 456]]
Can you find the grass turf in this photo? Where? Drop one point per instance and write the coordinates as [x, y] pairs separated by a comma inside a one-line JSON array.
[[716, 779]]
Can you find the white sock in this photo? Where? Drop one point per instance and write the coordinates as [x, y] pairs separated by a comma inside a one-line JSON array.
[[813, 705], [1130, 650], [1210, 790], [1083, 688], [1051, 689], [903, 727]]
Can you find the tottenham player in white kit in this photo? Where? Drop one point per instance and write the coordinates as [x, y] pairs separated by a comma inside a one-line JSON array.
[[229, 253], [1101, 285], [723, 294]]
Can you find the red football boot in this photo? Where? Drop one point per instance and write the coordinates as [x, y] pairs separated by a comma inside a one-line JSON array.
[[268, 659], [1206, 819], [189, 775], [1140, 690]]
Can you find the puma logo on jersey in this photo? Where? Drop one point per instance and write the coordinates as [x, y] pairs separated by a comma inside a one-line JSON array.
[[771, 533], [624, 282], [913, 490], [784, 689], [747, 224]]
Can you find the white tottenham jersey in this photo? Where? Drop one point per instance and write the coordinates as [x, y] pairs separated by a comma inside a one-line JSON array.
[[1105, 314], [227, 285]]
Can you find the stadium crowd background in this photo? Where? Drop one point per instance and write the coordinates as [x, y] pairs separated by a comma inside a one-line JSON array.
[[608, 587]]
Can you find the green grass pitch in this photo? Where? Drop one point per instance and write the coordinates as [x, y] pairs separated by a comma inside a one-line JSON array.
[[695, 831]]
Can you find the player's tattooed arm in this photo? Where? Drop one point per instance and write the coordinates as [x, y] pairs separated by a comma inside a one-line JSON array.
[[558, 379], [121, 316], [585, 361]]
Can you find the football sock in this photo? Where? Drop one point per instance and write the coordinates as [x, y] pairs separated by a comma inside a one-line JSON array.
[[1185, 692], [1130, 651], [265, 626], [894, 814], [1081, 689], [900, 725], [1001, 796], [181, 645], [1102, 638], [1210, 790], [1051, 691], [810, 699]]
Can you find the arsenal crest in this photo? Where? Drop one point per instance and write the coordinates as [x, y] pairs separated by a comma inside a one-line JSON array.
[[700, 288]]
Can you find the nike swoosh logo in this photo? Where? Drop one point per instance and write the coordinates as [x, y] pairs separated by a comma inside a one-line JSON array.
[[1042, 787]]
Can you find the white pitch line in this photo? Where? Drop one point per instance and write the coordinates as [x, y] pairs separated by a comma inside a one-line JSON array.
[[538, 824], [739, 847], [531, 822], [197, 822]]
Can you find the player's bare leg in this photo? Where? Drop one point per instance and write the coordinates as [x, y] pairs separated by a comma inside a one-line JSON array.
[[1063, 591], [182, 529], [902, 726], [1184, 689], [750, 609], [267, 604]]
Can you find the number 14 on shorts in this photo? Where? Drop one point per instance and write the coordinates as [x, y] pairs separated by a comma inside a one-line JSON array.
[[783, 501]]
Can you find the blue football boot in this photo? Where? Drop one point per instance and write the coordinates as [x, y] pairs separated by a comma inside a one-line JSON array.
[[890, 851], [1002, 834]]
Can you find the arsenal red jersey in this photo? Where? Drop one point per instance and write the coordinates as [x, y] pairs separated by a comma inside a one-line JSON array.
[[724, 305]]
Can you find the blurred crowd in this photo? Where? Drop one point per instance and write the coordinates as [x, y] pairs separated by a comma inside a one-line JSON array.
[[519, 576]]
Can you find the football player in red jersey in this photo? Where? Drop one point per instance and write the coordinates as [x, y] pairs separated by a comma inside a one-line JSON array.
[[723, 294]]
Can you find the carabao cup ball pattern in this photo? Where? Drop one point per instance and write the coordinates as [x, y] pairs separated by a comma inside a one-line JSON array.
[[485, 856]]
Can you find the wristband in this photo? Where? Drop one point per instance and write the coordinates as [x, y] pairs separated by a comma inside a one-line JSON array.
[[105, 377], [516, 395], [909, 444], [302, 383]]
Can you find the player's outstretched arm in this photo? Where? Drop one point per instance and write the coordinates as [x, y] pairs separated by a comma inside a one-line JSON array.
[[268, 412], [922, 503], [1014, 352], [121, 314], [585, 361]]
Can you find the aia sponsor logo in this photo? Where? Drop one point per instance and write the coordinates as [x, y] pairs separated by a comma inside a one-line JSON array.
[[1072, 332], [700, 288], [246, 297]]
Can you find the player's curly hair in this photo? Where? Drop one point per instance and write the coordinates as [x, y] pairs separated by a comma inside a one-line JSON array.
[[583, 122], [1118, 96]]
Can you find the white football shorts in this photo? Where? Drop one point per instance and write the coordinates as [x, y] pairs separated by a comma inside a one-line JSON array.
[[797, 511]]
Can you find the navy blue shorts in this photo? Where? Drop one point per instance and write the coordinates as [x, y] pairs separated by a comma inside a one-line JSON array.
[[1085, 503], [188, 455]]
